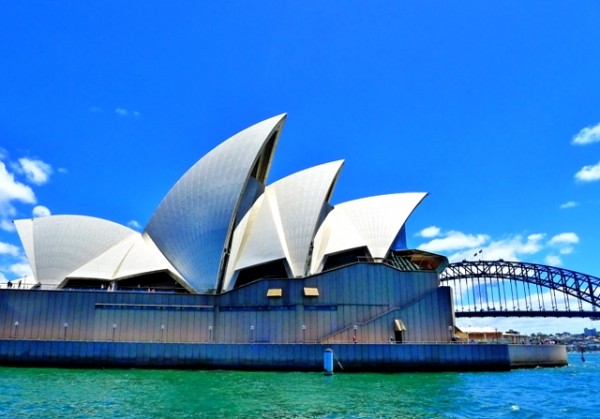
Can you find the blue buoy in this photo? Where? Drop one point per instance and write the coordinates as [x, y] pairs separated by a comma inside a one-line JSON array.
[[328, 361]]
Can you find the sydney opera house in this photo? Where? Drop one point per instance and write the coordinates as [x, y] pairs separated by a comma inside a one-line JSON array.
[[230, 259], [221, 227]]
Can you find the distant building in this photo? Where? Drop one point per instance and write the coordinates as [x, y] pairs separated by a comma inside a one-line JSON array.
[[478, 333], [589, 332]]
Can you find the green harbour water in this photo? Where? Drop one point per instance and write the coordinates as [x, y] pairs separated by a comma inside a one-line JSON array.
[[572, 391]]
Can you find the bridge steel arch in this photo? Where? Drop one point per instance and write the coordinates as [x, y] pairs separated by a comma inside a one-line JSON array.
[[584, 288]]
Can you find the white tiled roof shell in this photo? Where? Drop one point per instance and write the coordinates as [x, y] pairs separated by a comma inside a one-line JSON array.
[[135, 255], [60, 244], [283, 221], [373, 222], [105, 266], [193, 223]]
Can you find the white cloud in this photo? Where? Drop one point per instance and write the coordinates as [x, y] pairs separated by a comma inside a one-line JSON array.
[[509, 248], [9, 249], [40, 211], [569, 204], [12, 190], [429, 232], [21, 268], [126, 112], [588, 135], [566, 250], [458, 246], [553, 260], [7, 225], [134, 224], [588, 173], [564, 238], [454, 240], [37, 171]]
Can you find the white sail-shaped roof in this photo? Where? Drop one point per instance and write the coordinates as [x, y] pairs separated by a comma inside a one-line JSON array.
[[372, 222], [106, 265], [144, 257], [134, 256], [284, 221], [193, 224], [60, 244]]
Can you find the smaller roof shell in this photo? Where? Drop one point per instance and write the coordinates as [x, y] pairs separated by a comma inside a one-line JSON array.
[[134, 256], [60, 244], [283, 222], [372, 222]]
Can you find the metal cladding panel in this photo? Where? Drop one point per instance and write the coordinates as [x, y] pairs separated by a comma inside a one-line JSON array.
[[25, 231], [283, 222], [373, 222], [63, 243], [192, 225]]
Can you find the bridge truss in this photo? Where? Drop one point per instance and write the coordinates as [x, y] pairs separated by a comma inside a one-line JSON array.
[[519, 289]]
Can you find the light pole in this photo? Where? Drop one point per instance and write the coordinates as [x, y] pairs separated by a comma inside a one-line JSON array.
[[162, 332], [210, 337], [114, 327], [16, 329], [251, 333], [303, 333], [66, 325]]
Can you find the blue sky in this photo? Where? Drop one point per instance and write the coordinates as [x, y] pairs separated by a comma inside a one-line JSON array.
[[492, 108]]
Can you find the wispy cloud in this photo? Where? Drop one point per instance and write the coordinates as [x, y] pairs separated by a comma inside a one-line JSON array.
[[459, 246], [134, 224], [126, 112], [553, 260], [8, 249], [588, 135], [588, 173], [569, 204], [16, 267], [454, 240], [95, 109], [12, 191], [564, 238], [37, 171], [429, 232]]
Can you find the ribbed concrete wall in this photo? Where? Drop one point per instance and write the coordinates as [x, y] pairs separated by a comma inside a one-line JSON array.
[[285, 357]]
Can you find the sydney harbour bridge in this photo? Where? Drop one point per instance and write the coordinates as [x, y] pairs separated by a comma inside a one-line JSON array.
[[518, 289]]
